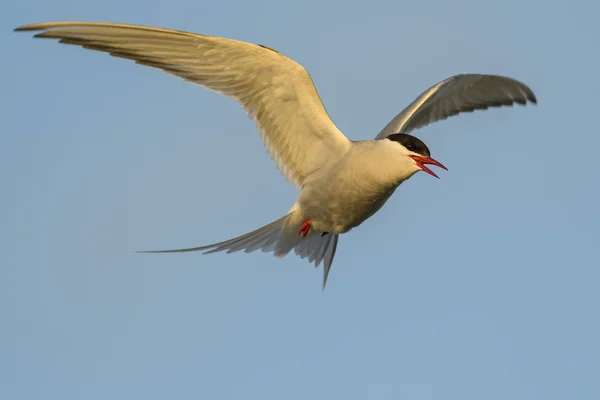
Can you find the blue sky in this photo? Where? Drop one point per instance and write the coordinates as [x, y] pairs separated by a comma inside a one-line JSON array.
[[483, 284]]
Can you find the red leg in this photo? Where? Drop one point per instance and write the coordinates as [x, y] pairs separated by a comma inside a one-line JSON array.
[[305, 227]]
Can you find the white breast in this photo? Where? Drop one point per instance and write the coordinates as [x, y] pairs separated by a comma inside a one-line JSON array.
[[355, 187]]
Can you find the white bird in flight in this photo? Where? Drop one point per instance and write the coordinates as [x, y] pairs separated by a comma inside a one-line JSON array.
[[342, 182]]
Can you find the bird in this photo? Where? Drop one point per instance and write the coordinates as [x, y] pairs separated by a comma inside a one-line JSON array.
[[342, 182]]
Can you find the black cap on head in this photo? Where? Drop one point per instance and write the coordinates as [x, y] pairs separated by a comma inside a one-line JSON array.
[[411, 143]]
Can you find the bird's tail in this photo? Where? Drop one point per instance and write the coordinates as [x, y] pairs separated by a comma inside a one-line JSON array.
[[280, 237]]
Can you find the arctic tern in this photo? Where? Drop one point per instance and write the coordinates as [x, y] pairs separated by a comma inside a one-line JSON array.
[[342, 182]]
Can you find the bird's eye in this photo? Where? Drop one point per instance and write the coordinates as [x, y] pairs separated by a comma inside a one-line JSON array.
[[411, 147]]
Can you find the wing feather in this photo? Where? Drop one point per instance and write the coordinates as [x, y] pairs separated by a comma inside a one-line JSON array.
[[275, 91], [455, 95]]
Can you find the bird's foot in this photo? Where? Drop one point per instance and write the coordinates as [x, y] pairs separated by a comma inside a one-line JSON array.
[[305, 227]]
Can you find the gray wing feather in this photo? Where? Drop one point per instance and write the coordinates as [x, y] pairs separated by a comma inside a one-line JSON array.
[[459, 93]]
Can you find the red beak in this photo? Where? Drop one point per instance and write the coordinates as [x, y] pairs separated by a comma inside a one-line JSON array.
[[421, 161]]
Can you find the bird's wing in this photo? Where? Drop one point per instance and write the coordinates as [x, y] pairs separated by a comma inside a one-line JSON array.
[[275, 91], [459, 93]]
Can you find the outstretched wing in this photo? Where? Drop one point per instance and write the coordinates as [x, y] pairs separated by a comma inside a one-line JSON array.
[[459, 93], [275, 91]]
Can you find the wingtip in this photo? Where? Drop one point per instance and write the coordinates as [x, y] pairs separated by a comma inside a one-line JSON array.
[[29, 27], [529, 95], [532, 99], [42, 26]]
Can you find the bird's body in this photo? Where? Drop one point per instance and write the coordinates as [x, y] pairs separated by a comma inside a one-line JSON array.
[[348, 191], [342, 183]]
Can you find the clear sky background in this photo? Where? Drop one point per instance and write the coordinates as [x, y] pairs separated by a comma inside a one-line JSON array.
[[480, 285]]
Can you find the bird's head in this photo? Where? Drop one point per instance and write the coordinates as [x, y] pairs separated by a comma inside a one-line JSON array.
[[417, 151]]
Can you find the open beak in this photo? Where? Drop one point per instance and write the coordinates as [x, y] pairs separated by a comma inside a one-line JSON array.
[[421, 161]]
